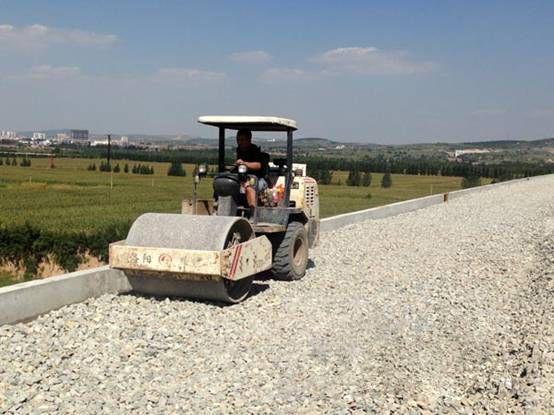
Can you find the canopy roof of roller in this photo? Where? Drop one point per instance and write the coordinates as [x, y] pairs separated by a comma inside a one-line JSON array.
[[248, 122]]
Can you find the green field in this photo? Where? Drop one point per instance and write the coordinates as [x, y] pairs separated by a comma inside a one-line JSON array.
[[6, 279], [69, 197], [64, 215]]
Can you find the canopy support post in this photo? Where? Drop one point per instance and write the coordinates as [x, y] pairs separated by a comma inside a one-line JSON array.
[[288, 178], [221, 155]]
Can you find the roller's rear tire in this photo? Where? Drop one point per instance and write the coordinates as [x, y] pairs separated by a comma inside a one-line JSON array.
[[290, 253]]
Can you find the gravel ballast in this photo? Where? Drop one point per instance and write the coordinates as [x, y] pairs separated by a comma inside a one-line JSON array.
[[446, 309]]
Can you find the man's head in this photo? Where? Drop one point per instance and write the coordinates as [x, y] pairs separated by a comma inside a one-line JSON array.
[[244, 139]]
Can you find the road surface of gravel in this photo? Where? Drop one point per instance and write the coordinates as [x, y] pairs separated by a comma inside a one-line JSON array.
[[446, 309]]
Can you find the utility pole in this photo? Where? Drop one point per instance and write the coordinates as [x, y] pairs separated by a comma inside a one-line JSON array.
[[109, 149], [109, 165]]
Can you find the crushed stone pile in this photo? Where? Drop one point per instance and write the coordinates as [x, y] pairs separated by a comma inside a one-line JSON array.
[[446, 309]]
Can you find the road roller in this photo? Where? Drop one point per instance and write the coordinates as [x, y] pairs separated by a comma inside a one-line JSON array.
[[214, 249]]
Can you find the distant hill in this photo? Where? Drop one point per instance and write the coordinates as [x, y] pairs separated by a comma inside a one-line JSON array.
[[544, 142], [154, 138], [316, 142], [273, 142]]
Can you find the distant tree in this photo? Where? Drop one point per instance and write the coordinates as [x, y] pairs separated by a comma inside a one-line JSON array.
[[350, 181], [1, 162], [366, 179], [25, 162], [315, 174], [143, 169], [471, 180], [326, 176], [126, 168], [503, 177], [135, 169], [354, 178], [116, 169], [8, 162], [93, 167], [386, 181], [322, 176], [176, 169], [357, 177], [14, 161]]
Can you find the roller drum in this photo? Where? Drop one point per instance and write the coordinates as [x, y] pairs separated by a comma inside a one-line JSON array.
[[195, 232]]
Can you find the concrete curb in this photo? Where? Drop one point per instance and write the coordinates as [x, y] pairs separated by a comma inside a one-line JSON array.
[[29, 299], [334, 222], [20, 302]]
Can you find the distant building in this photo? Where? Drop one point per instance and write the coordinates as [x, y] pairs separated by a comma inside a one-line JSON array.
[[38, 136], [78, 136], [124, 141], [459, 153], [61, 137], [8, 135]]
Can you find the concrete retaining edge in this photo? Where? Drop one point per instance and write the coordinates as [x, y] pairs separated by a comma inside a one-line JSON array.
[[24, 301], [334, 222]]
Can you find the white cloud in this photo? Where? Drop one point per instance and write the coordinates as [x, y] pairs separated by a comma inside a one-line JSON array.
[[288, 75], [49, 72], [187, 75], [542, 113], [371, 61], [40, 36], [489, 112], [254, 57], [173, 76]]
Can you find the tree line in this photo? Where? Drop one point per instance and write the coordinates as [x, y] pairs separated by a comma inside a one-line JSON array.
[[107, 167], [403, 164], [428, 167], [25, 162]]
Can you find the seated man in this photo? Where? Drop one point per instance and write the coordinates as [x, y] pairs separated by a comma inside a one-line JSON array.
[[251, 156]]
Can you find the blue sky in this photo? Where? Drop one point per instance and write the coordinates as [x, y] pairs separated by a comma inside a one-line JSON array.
[[367, 71]]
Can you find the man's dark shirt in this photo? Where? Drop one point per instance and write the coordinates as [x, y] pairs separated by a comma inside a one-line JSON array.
[[253, 153]]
